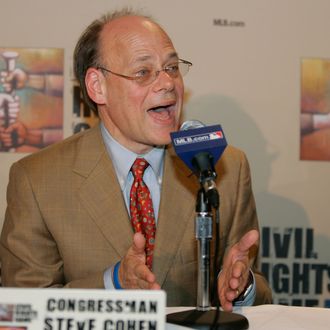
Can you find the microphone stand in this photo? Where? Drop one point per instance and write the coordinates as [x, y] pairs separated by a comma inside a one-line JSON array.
[[203, 233], [204, 317]]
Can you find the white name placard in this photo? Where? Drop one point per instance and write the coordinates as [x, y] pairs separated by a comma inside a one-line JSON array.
[[81, 309]]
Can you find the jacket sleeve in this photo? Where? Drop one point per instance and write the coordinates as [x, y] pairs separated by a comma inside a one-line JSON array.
[[29, 254], [245, 219]]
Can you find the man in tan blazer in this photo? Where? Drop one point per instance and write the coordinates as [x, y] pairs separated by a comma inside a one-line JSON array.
[[67, 221]]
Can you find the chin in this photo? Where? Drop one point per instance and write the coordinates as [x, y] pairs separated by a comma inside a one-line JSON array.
[[161, 140]]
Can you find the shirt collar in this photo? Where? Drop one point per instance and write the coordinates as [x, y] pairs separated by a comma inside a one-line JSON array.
[[123, 158]]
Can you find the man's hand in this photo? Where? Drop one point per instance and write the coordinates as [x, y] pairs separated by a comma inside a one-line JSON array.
[[17, 130], [15, 79], [133, 272], [12, 102], [9, 110], [235, 272]]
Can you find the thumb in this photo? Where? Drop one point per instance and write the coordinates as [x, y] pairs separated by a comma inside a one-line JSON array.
[[248, 240], [139, 242], [15, 126], [10, 76], [10, 128]]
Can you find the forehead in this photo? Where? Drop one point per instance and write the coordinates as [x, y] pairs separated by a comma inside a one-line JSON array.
[[135, 36]]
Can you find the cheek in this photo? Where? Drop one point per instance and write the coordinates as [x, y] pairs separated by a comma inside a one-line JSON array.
[[180, 90], [125, 101], [135, 102], [132, 95]]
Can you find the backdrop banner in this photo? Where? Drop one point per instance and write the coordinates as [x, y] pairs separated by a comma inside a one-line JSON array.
[[261, 72]]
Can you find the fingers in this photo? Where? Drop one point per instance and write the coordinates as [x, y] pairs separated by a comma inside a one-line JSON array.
[[133, 271], [13, 80], [234, 276], [6, 81], [228, 293], [238, 283], [4, 97], [9, 109], [13, 135], [240, 267], [147, 281], [226, 298], [137, 276], [144, 277], [248, 240]]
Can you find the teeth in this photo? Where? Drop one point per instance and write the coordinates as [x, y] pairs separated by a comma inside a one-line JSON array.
[[161, 109]]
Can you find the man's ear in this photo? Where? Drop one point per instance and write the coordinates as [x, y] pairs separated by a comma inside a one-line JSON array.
[[95, 85]]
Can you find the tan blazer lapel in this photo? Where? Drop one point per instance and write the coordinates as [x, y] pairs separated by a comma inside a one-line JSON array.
[[177, 209], [101, 194]]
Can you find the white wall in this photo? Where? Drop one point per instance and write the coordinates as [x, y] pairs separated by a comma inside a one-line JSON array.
[[246, 78]]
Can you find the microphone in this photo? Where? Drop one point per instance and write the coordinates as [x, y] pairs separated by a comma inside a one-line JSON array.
[[200, 147]]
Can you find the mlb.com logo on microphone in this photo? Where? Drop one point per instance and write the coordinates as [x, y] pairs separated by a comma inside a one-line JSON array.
[[216, 135], [198, 138]]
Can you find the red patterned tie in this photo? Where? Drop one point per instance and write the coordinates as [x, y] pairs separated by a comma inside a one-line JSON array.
[[142, 212]]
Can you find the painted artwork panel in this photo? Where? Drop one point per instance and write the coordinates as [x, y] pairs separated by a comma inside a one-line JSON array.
[[315, 109], [31, 98]]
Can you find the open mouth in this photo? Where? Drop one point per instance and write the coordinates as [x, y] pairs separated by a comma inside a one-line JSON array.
[[160, 109], [163, 114]]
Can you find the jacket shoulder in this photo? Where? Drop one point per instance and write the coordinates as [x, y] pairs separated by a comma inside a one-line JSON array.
[[80, 151], [64, 150]]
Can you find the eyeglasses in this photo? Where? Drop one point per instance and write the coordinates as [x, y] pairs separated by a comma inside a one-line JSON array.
[[146, 76]]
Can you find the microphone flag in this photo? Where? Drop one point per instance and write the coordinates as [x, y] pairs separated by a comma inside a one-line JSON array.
[[191, 142]]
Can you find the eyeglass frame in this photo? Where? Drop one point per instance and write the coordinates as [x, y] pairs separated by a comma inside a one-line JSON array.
[[157, 72]]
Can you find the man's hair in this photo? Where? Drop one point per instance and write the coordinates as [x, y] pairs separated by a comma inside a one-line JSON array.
[[86, 53]]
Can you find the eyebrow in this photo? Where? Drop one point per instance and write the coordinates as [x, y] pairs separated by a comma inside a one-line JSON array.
[[173, 55]]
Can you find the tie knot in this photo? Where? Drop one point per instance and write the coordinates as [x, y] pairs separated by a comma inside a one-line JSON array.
[[138, 167]]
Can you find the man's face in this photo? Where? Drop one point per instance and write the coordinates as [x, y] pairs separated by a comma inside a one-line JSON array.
[[139, 116]]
